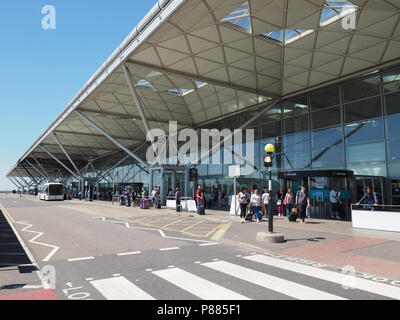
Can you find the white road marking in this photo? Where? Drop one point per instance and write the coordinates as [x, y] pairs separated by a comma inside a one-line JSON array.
[[288, 288], [148, 270], [80, 259], [89, 279], [169, 249], [208, 244], [120, 289], [158, 230], [129, 253], [197, 286], [116, 275], [331, 276], [31, 287], [38, 235], [11, 222]]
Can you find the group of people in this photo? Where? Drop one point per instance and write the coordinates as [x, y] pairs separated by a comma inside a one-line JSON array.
[[256, 204]]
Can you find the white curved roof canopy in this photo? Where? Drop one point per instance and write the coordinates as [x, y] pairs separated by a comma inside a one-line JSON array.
[[199, 60]]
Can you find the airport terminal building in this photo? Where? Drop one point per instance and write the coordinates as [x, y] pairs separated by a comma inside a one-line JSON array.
[[318, 79]]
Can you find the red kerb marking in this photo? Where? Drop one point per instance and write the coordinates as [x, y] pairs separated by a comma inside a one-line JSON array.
[[31, 295]]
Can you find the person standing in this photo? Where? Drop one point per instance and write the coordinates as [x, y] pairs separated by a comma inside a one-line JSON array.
[[334, 199], [178, 197], [134, 195], [302, 200], [289, 202], [256, 204], [204, 201], [370, 198], [265, 201], [215, 198], [279, 202], [199, 200], [243, 198], [157, 199], [220, 198]]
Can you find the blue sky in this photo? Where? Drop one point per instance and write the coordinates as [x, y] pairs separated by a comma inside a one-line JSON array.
[[42, 70]]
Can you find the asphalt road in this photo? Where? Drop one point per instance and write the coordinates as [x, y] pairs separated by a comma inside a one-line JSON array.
[[103, 258]]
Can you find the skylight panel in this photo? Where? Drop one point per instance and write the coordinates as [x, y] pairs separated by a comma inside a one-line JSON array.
[[200, 84], [287, 36], [240, 17], [335, 10], [180, 92], [144, 83]]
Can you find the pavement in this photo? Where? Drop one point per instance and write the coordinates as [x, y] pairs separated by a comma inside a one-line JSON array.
[[76, 250]]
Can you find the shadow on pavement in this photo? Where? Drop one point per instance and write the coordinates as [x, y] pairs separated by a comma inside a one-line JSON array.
[[317, 239], [12, 254]]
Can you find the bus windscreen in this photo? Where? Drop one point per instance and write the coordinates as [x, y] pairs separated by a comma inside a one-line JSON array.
[[56, 190]]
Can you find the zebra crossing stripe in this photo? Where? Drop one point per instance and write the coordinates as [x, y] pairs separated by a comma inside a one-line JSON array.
[[120, 288], [331, 276], [288, 288], [197, 286]]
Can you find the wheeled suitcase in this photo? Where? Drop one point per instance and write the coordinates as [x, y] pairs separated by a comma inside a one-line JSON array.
[[145, 204], [202, 211], [178, 208], [249, 217], [293, 215]]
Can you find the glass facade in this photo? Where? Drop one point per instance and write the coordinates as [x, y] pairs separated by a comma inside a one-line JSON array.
[[354, 125]]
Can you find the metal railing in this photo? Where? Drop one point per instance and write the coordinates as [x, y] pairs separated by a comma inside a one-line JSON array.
[[379, 207]]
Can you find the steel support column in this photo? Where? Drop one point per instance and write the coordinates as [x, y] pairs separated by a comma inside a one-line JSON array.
[[66, 154], [58, 161], [162, 187], [173, 181], [132, 154], [15, 182], [139, 107], [40, 166], [29, 174], [244, 126], [34, 168], [187, 181]]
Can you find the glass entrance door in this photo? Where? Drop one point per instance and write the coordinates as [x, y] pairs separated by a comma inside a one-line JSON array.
[[320, 189]]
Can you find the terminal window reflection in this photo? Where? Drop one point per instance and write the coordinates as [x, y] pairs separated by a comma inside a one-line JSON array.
[[326, 118], [364, 131], [393, 147], [366, 152], [326, 137], [361, 89], [325, 99], [391, 81], [332, 157], [365, 109], [295, 107], [392, 126], [392, 103]]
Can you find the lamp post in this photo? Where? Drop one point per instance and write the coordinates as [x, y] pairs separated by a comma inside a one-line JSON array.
[[268, 163]]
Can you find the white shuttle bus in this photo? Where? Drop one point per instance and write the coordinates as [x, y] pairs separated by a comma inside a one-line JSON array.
[[51, 191]]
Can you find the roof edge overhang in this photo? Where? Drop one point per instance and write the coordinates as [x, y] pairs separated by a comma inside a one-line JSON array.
[[160, 12]]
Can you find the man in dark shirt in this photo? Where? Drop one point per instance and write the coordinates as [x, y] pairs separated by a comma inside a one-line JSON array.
[[302, 200], [370, 199], [178, 197]]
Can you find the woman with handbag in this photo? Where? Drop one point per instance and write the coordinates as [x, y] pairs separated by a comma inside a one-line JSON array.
[[243, 198], [289, 202]]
